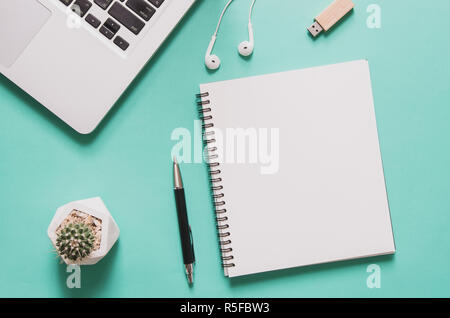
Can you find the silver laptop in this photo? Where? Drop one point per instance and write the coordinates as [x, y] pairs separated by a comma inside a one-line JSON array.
[[76, 57]]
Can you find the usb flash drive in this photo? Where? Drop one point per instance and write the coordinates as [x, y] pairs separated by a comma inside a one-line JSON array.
[[336, 11]]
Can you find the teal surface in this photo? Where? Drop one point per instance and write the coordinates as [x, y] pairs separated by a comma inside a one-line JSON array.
[[44, 164]]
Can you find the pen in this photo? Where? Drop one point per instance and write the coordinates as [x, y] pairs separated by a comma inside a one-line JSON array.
[[185, 230]]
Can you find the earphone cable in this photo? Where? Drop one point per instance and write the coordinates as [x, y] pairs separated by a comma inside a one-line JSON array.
[[251, 11], [221, 16]]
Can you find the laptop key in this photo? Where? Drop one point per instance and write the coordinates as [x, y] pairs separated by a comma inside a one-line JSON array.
[[92, 20], [104, 4], [106, 32], [112, 25], [80, 7], [125, 17], [66, 2], [142, 8], [156, 3], [120, 42]]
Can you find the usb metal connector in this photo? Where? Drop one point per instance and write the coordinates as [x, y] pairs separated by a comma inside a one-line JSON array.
[[315, 29]]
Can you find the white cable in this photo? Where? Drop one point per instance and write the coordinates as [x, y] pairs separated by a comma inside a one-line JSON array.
[[251, 11], [221, 16]]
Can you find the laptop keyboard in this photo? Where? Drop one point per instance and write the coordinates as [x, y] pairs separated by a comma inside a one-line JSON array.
[[131, 14]]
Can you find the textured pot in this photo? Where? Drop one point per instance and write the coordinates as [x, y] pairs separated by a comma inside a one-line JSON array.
[[96, 208]]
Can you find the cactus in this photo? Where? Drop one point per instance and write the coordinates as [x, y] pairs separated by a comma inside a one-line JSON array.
[[75, 241]]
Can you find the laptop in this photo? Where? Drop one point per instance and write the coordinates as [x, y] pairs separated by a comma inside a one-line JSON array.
[[76, 57]]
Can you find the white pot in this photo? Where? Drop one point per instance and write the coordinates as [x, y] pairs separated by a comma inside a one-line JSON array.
[[96, 208]]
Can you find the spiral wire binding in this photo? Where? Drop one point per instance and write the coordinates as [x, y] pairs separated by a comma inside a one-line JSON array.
[[215, 179]]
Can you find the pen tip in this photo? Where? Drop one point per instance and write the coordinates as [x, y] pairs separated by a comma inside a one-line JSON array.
[[174, 159]]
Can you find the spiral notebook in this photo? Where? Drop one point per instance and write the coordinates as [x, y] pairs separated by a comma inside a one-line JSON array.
[[296, 170]]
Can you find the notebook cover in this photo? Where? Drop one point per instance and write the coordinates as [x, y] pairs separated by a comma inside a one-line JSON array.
[[308, 188]]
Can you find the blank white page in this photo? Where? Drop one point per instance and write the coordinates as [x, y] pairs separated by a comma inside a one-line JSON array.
[[327, 201]]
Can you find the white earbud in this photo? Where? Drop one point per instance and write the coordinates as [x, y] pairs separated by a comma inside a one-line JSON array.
[[212, 61], [246, 48]]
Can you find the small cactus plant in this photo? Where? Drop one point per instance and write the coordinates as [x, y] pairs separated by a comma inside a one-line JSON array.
[[75, 241]]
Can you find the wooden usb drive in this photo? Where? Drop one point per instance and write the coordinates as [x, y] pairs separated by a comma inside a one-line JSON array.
[[330, 16]]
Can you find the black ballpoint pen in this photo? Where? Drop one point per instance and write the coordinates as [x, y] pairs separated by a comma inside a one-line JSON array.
[[185, 230]]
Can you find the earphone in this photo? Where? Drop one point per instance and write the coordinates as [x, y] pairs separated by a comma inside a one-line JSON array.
[[212, 61], [245, 48]]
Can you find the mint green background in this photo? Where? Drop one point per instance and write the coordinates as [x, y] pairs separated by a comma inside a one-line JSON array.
[[44, 164]]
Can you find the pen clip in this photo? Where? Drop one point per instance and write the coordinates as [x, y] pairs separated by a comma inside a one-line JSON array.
[[192, 242]]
